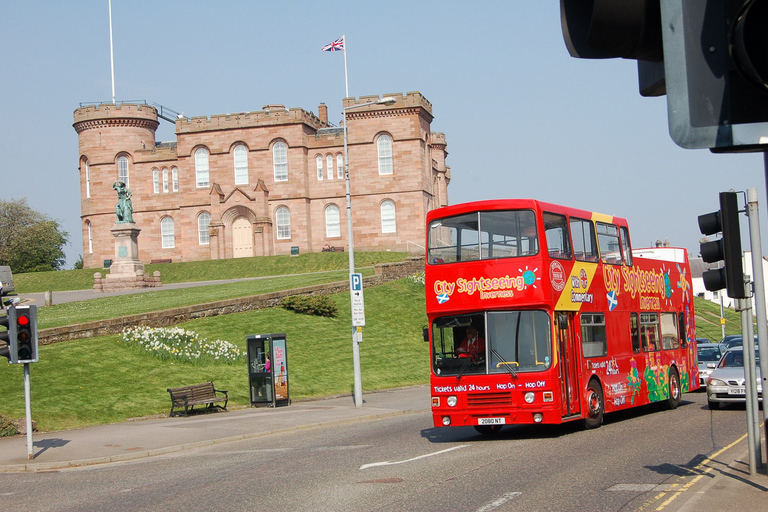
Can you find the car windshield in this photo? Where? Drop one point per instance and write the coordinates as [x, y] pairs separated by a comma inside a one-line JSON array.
[[709, 354], [735, 359]]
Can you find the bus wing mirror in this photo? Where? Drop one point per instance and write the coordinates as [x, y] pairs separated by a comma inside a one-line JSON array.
[[425, 333], [562, 321]]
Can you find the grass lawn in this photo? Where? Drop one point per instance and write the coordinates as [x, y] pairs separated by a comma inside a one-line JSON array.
[[103, 380], [82, 279]]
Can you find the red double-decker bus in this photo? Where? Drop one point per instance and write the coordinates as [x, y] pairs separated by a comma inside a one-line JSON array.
[[541, 313]]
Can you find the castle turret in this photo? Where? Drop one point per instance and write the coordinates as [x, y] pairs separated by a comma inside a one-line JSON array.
[[109, 135]]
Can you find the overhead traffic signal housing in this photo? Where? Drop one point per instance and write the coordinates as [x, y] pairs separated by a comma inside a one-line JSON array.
[[728, 249], [716, 73], [20, 335], [606, 29]]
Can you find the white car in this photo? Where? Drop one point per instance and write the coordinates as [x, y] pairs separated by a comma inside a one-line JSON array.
[[726, 383]]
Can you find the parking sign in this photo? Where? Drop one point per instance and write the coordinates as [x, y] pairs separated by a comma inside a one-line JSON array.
[[356, 291]]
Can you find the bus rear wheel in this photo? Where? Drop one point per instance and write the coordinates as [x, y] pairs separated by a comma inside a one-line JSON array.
[[595, 405], [675, 392]]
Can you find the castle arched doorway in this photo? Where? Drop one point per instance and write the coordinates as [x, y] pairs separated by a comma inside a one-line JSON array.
[[242, 238]]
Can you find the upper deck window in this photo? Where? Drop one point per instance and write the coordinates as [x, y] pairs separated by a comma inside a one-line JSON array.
[[584, 243], [556, 232], [483, 235], [610, 246]]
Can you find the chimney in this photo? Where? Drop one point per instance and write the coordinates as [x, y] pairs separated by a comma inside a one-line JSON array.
[[322, 113]]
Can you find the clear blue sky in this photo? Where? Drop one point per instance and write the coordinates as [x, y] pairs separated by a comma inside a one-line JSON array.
[[522, 118]]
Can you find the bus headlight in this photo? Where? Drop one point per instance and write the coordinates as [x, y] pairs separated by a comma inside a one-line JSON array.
[[538, 417], [446, 421], [529, 396], [451, 401]]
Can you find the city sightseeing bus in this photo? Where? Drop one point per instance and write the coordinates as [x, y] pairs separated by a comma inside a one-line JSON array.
[[571, 322]]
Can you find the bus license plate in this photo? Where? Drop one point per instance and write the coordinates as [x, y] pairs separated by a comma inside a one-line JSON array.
[[737, 391], [490, 421]]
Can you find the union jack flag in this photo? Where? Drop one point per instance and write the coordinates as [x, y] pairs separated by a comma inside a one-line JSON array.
[[335, 46]]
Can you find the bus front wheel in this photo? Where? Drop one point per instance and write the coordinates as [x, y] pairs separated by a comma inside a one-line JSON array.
[[595, 405]]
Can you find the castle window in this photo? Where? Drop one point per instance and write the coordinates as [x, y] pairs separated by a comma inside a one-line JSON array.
[[283, 222], [165, 181], [280, 161], [329, 166], [203, 234], [155, 181], [167, 233], [201, 167], [175, 179], [319, 161], [340, 166], [87, 179], [388, 220], [90, 237], [384, 145], [241, 165], [332, 223], [122, 169]]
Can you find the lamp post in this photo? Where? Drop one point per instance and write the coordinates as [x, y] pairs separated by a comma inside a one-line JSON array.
[[356, 329]]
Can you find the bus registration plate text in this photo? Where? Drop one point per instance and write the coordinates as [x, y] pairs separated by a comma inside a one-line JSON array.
[[490, 421]]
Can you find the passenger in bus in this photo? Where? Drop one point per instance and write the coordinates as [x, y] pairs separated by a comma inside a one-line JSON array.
[[473, 345]]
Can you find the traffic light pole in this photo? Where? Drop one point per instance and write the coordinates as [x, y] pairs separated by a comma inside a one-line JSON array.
[[744, 306], [28, 408], [759, 287]]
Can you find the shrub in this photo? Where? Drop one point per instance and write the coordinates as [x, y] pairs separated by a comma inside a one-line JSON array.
[[7, 427], [320, 305], [182, 345]]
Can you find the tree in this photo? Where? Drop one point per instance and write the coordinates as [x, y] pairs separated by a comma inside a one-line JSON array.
[[30, 241]]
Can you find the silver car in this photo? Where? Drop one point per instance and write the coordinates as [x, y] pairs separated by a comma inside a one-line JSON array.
[[708, 355], [726, 382]]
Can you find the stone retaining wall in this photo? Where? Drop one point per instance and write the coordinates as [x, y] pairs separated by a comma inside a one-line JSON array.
[[384, 273]]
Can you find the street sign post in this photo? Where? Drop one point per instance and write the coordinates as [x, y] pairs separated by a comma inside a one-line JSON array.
[[358, 306]]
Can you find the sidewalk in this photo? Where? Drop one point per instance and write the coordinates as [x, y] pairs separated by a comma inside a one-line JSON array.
[[720, 483]]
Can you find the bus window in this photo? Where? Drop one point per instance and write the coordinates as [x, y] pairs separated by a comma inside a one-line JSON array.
[[681, 330], [556, 233], [519, 341], [608, 240], [593, 341], [583, 236], [447, 335], [669, 339], [634, 332], [649, 331], [483, 235], [626, 246]]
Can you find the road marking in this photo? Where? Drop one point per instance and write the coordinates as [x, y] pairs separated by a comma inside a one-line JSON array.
[[499, 502], [701, 468], [642, 487], [391, 463]]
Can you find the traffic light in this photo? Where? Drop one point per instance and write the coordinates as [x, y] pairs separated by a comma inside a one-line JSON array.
[[727, 249], [20, 334], [716, 73], [606, 29]]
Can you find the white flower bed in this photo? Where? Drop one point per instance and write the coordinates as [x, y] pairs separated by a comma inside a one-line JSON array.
[[182, 345]]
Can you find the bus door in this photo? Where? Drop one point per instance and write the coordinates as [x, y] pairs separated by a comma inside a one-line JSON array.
[[569, 363]]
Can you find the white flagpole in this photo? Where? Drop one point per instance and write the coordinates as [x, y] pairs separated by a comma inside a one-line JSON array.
[[112, 54], [346, 80]]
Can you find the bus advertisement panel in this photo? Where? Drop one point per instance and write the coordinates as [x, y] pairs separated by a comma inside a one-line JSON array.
[[541, 313]]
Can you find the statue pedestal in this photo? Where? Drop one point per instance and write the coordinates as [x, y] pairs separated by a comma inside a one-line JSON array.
[[126, 271]]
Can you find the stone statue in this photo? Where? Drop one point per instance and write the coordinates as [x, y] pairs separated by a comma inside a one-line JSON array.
[[124, 207]]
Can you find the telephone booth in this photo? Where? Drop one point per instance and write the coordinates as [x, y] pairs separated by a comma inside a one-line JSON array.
[[268, 370]]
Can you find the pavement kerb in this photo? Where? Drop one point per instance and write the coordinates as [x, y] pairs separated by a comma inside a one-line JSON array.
[[35, 467]]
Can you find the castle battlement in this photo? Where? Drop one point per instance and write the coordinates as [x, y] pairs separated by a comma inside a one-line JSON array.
[[269, 117], [111, 114]]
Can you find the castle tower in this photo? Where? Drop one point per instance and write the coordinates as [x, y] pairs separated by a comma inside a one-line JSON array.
[[109, 136]]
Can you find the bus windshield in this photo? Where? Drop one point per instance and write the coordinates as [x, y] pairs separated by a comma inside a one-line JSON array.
[[507, 342], [483, 235]]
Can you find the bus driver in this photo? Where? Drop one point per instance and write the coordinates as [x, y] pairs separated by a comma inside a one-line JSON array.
[[473, 345]]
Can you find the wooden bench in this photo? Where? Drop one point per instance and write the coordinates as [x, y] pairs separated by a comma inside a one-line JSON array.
[[333, 249], [197, 394]]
